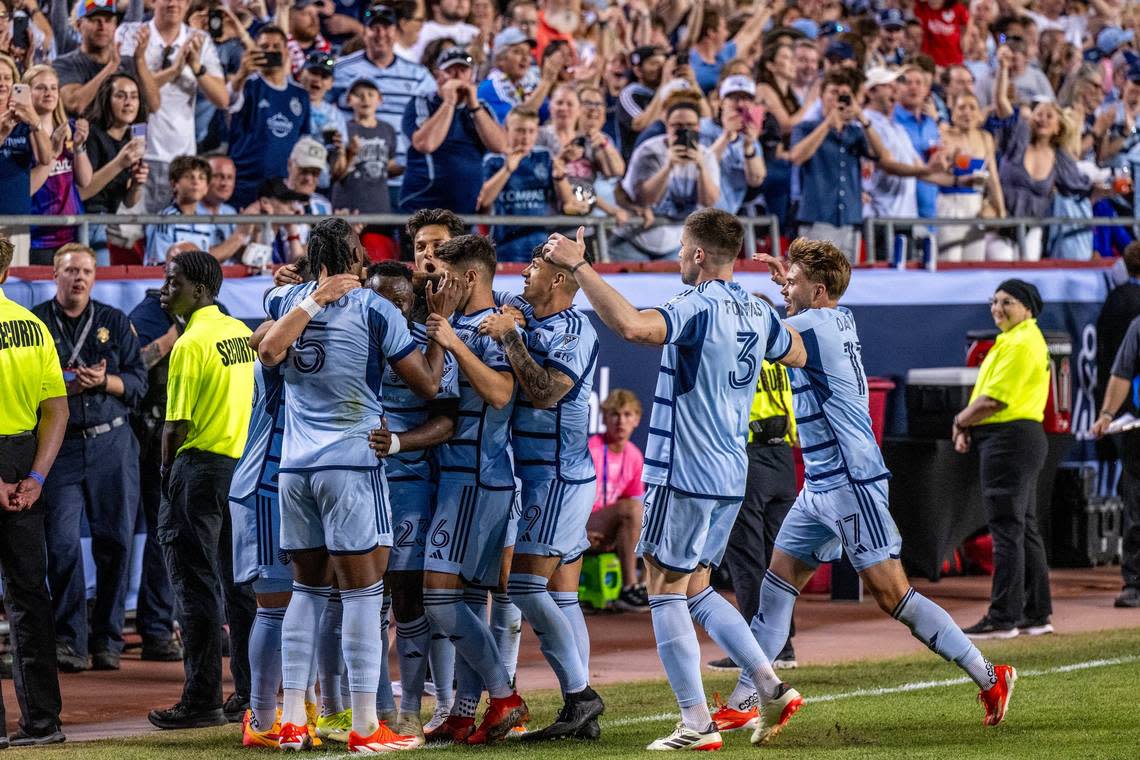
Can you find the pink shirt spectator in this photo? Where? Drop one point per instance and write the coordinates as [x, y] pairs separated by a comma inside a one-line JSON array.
[[619, 475]]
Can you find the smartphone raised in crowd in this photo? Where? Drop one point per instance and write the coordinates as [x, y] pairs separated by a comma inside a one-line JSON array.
[[273, 59], [215, 24], [21, 95]]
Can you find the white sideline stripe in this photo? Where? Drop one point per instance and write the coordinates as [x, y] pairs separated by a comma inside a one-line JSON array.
[[914, 686]]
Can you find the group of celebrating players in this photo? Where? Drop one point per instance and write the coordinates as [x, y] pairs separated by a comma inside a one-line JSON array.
[[419, 443]]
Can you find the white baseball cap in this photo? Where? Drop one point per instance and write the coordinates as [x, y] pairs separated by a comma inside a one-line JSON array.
[[737, 83], [309, 154], [878, 75]]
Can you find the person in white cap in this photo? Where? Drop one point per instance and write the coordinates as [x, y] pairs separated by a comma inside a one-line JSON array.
[[737, 148], [514, 81], [308, 159]]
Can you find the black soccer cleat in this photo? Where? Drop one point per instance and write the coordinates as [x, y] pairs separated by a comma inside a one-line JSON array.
[[577, 719]]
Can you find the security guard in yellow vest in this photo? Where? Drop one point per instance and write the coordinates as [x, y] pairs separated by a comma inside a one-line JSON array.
[[208, 402], [768, 495], [31, 384], [1003, 420]]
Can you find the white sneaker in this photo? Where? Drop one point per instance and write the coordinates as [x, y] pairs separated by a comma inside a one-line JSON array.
[[687, 738], [776, 713], [437, 717]]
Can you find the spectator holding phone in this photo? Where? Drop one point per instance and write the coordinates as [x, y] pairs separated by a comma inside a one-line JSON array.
[[674, 175], [737, 148], [23, 145], [115, 148], [29, 34], [450, 132], [527, 181], [269, 113], [55, 185], [84, 70]]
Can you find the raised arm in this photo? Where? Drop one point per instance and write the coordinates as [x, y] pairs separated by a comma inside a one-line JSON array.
[[495, 386], [544, 387], [637, 326], [273, 347]]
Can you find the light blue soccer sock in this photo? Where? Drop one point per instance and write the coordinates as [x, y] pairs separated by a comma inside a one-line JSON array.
[[330, 662], [770, 628], [934, 627], [478, 662], [725, 625], [567, 601], [265, 665], [385, 700], [506, 627], [361, 654], [413, 640], [468, 682], [441, 658], [681, 656], [299, 633], [555, 636]]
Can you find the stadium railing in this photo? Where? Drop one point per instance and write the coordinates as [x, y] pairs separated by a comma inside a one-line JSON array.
[[603, 226], [900, 257]]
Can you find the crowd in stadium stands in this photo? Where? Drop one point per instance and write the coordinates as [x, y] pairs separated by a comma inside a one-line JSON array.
[[819, 112]]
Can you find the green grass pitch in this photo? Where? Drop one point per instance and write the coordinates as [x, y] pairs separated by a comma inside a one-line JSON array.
[[1076, 697]]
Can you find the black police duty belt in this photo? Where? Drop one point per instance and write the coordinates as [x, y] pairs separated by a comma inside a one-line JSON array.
[[97, 430]]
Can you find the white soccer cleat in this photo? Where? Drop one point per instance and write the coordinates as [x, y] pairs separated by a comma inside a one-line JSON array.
[[776, 713], [686, 738]]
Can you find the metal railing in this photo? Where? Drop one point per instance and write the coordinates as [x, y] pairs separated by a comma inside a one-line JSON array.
[[1022, 225], [603, 226]]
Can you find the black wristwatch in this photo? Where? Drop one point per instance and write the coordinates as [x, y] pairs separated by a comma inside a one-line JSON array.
[[477, 109], [200, 70]]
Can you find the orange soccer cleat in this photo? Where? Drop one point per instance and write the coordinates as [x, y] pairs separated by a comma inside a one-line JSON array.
[[996, 698]]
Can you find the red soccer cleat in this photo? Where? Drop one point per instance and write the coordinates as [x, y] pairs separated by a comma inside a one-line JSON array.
[[996, 698], [453, 730], [727, 718], [294, 738], [383, 739], [503, 715]]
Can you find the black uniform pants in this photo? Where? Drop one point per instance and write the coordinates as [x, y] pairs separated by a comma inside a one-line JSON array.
[[23, 559], [1012, 455], [1130, 555], [194, 531], [768, 495], [155, 614]]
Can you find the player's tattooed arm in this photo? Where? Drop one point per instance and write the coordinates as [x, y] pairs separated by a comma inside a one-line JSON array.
[[544, 387], [155, 351]]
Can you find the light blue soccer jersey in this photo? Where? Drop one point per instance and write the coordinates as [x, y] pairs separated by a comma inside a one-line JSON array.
[[829, 397], [257, 468], [551, 443], [405, 411], [716, 335], [480, 448], [334, 377]]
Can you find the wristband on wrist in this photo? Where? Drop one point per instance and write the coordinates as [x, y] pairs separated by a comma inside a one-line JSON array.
[[310, 306], [394, 447], [574, 269], [37, 477], [1106, 413]]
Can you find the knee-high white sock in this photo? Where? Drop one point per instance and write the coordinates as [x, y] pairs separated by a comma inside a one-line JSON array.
[[770, 626], [299, 631], [265, 665], [681, 656], [362, 652]]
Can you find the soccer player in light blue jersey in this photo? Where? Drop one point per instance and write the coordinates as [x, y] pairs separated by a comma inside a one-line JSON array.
[[410, 428], [334, 340], [255, 519], [554, 362], [714, 335], [843, 506], [474, 500]]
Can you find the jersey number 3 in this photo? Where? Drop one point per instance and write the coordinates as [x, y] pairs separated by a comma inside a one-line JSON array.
[[744, 377]]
